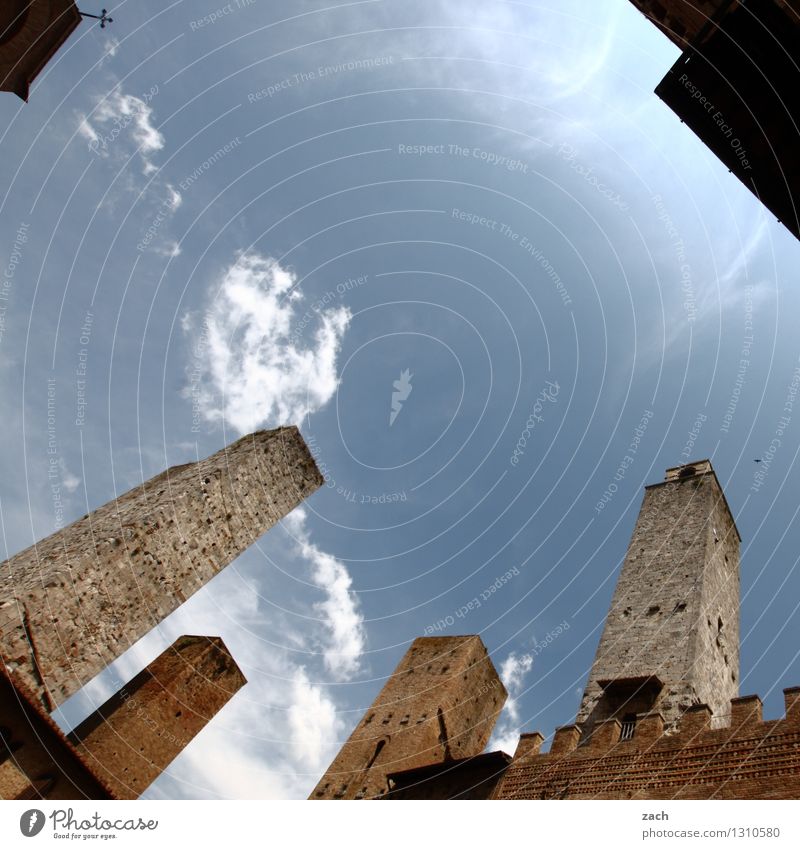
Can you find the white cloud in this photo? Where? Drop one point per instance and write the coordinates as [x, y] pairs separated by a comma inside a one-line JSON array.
[[119, 117], [313, 723], [256, 370], [513, 672], [70, 481], [340, 611]]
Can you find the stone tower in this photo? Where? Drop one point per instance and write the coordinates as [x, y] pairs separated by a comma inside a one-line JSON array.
[[132, 738], [671, 638], [75, 601], [440, 704]]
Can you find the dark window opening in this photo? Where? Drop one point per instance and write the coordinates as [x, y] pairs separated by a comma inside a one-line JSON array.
[[378, 749], [628, 726], [653, 609]]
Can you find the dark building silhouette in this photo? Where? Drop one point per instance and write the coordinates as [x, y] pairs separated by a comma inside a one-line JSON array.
[[737, 87], [31, 32]]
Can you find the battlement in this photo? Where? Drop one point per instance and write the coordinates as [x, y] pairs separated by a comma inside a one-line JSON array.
[[747, 758]]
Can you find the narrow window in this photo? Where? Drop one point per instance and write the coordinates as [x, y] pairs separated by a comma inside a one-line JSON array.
[[378, 749], [628, 726]]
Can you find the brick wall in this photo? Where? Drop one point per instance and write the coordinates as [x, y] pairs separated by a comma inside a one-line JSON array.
[[139, 731], [747, 759], [441, 703]]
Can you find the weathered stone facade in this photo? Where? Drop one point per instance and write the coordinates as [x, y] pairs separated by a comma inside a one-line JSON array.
[[671, 638], [75, 601], [139, 731], [440, 704]]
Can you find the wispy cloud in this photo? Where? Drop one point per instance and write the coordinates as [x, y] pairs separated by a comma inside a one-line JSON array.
[[118, 122], [255, 367], [340, 610]]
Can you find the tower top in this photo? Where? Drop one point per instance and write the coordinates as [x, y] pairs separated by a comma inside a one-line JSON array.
[[692, 471]]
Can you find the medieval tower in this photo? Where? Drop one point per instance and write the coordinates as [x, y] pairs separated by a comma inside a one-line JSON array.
[[671, 638], [75, 601], [440, 704], [72, 603]]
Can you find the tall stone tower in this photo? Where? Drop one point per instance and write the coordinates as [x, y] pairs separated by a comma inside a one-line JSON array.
[[671, 638], [440, 704], [75, 601]]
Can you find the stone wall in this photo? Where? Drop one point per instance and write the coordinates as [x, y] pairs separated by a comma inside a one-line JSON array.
[[75, 601]]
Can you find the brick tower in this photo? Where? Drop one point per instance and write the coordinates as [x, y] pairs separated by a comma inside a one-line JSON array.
[[75, 601], [440, 704], [671, 638], [141, 729]]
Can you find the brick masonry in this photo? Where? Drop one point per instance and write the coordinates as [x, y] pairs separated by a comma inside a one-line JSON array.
[[747, 759], [671, 638], [139, 731], [75, 601], [36, 760], [440, 704]]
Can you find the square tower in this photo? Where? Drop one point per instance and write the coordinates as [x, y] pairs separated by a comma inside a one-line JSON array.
[[134, 736], [75, 601], [671, 638], [440, 704]]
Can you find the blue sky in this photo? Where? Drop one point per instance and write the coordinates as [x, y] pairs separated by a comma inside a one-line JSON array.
[[218, 218]]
